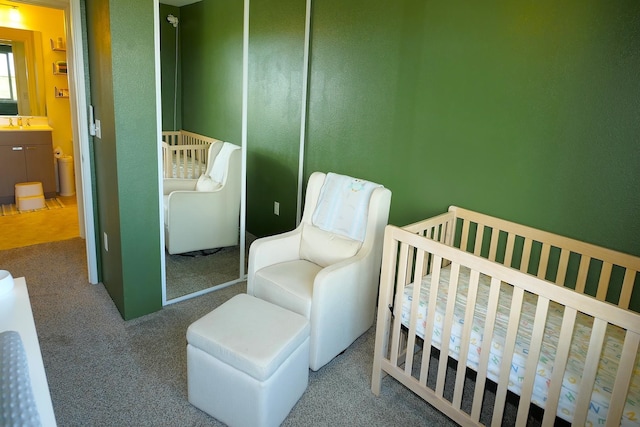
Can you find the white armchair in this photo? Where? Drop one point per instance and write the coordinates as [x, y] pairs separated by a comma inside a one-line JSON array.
[[204, 213], [323, 275]]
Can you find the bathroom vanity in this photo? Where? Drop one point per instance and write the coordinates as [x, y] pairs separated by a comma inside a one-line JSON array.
[[26, 155]]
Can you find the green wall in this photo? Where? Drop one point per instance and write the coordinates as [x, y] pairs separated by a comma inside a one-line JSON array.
[[526, 111], [276, 52], [122, 77], [211, 45], [171, 92]]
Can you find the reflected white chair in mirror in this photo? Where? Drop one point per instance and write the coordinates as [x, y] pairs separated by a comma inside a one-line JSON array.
[[328, 268], [204, 213]]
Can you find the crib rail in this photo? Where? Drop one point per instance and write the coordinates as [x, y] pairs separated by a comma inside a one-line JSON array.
[[604, 273], [408, 256], [184, 154]]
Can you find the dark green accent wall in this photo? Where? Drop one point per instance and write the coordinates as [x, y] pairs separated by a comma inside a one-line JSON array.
[[122, 76], [528, 112], [276, 52], [211, 45], [171, 90]]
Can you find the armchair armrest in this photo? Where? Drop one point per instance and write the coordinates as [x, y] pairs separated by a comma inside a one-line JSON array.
[[194, 207], [343, 305], [201, 219], [272, 250], [170, 185]]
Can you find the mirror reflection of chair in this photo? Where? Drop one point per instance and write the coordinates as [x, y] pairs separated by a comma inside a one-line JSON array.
[[204, 213], [327, 269]]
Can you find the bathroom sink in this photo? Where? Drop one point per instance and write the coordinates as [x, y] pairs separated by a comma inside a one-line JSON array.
[[26, 128]]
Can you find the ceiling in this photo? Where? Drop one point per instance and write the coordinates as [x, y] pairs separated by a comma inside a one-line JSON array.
[[178, 3]]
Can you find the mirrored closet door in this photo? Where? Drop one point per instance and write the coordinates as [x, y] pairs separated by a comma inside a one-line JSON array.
[[190, 273]]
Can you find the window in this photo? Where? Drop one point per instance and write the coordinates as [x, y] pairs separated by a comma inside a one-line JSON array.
[[7, 75]]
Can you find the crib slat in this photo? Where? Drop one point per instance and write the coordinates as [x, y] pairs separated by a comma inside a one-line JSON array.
[[408, 267], [526, 255], [559, 365], [562, 267], [387, 277], [397, 304], [466, 335], [583, 271], [621, 385], [431, 315], [477, 247], [415, 303], [446, 328], [508, 253], [535, 346], [603, 282], [590, 369], [465, 235], [493, 246], [544, 261], [627, 288], [424, 270], [449, 231], [483, 363], [507, 355]]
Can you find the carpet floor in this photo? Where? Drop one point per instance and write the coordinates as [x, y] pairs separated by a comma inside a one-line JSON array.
[[104, 371]]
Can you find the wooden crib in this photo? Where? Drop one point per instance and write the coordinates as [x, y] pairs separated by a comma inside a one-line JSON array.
[[493, 322], [184, 154]]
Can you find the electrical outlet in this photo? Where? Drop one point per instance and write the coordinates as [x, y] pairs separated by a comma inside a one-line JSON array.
[[106, 241], [276, 208]]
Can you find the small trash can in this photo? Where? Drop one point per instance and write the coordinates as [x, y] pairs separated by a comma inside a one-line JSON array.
[[65, 175]]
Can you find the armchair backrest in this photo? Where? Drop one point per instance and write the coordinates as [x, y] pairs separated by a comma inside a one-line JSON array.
[[325, 247], [219, 168], [214, 149], [222, 158]]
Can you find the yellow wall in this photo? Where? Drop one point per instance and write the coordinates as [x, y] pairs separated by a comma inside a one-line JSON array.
[[50, 23]]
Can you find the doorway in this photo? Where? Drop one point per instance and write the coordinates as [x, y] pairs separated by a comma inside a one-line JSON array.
[[66, 46]]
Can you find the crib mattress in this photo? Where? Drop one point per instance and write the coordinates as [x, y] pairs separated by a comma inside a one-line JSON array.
[[582, 331]]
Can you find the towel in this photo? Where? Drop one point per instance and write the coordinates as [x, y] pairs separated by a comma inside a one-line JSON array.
[[343, 206], [219, 169]]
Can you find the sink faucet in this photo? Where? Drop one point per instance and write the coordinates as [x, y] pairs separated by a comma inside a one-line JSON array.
[[10, 122], [20, 121], [29, 121]]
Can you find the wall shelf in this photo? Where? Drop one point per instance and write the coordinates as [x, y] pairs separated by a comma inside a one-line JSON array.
[[60, 67], [61, 92], [58, 45]]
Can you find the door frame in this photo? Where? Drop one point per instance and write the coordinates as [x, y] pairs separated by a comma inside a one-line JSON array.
[[79, 125], [243, 185]]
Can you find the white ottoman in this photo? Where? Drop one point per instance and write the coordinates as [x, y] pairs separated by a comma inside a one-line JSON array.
[[248, 362]]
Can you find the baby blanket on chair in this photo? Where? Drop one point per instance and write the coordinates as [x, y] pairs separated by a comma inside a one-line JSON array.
[[343, 205]]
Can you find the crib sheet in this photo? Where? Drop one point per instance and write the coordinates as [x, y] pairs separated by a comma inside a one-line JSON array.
[[582, 331]]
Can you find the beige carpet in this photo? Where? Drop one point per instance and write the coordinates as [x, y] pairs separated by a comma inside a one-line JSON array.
[[41, 226], [104, 371]]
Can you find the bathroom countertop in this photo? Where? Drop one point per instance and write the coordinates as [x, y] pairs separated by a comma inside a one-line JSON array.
[[25, 128]]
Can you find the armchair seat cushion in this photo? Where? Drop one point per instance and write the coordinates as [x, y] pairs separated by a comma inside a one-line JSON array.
[[287, 284]]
